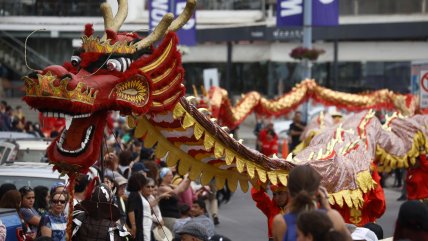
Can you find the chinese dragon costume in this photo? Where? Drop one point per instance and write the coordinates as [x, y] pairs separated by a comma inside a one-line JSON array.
[[124, 72]]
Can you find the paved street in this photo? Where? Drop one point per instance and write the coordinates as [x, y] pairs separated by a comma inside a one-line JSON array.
[[241, 220]]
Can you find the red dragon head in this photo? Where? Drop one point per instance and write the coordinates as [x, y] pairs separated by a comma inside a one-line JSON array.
[[119, 71]]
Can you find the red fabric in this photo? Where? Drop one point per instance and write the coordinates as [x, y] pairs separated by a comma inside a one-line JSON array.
[[374, 201], [266, 205], [263, 133], [89, 30], [110, 123], [49, 124], [269, 147], [416, 180], [373, 208]]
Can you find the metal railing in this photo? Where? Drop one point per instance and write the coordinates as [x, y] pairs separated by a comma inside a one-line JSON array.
[[13, 55], [50, 7]]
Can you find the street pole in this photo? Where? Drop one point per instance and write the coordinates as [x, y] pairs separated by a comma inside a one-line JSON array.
[[307, 35], [307, 43]]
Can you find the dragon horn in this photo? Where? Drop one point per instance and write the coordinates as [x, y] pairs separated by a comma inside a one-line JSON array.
[[184, 16], [163, 27], [119, 19], [158, 33]]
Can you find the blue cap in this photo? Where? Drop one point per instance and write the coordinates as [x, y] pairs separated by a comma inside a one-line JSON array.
[[139, 166]]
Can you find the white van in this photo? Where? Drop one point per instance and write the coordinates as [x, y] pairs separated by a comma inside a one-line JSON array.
[[30, 174], [23, 150]]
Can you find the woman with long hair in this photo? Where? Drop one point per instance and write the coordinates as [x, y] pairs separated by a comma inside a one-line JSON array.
[[27, 212], [11, 199], [305, 194], [41, 199], [315, 225], [134, 206], [53, 224], [412, 221]]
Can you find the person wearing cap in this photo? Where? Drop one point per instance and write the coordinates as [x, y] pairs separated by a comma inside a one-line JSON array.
[[270, 207], [193, 231], [139, 167], [121, 197], [412, 222]]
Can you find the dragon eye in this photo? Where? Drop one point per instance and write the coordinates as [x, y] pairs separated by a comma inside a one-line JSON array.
[[120, 64], [75, 60]]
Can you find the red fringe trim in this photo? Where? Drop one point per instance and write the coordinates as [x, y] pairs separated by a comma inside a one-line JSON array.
[[89, 30], [112, 35]]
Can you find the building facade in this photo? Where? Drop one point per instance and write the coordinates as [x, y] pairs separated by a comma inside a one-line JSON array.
[[372, 48]]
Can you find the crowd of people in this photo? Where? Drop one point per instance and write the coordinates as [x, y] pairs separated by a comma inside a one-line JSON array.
[[13, 119], [150, 198], [143, 199]]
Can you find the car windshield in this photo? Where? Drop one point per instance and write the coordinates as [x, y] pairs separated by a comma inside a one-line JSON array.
[[29, 181], [4, 153], [30, 156]]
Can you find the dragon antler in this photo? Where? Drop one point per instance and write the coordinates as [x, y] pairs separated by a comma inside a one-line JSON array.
[[184, 16], [119, 19], [163, 27]]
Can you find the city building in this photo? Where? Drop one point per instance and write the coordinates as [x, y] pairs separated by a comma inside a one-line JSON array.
[[372, 48]]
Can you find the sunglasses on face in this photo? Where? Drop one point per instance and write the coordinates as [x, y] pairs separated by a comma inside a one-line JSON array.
[[58, 201]]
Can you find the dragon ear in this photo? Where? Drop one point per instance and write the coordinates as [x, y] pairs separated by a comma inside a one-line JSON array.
[[134, 93]]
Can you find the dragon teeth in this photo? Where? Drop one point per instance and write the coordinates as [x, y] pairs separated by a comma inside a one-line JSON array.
[[68, 120]]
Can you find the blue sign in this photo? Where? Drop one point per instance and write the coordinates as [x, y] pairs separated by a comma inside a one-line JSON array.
[[158, 8], [290, 13], [187, 33]]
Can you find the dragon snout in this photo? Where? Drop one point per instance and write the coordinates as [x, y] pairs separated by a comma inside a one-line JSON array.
[[56, 70]]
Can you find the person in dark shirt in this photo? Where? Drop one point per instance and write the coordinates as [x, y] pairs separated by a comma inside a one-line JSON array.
[[296, 129]]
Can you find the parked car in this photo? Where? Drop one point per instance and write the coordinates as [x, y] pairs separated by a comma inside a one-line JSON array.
[[29, 174], [23, 150], [7, 152], [11, 135]]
